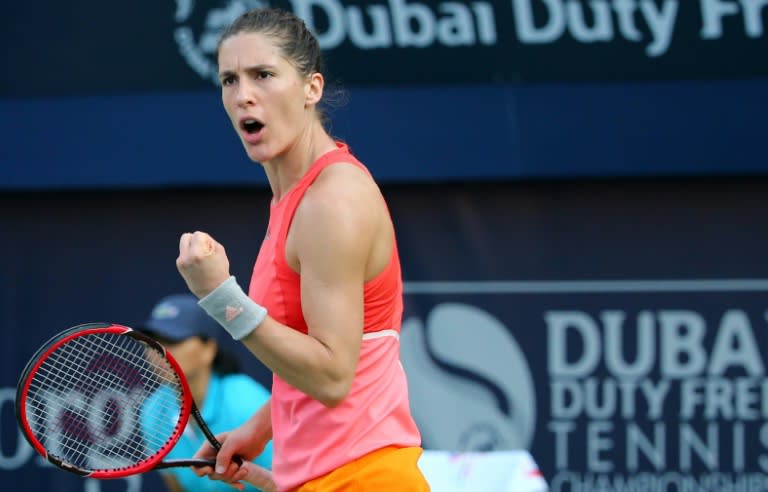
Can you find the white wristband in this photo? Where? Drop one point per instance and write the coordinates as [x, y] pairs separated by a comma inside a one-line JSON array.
[[233, 309]]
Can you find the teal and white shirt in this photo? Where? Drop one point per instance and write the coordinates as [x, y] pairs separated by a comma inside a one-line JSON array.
[[229, 402]]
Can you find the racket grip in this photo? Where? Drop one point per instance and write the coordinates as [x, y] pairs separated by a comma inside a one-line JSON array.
[[197, 462]]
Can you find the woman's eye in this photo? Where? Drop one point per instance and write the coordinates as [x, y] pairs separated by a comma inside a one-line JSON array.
[[264, 75], [227, 80]]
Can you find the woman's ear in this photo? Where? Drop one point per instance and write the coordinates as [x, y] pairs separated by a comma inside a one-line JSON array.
[[313, 89]]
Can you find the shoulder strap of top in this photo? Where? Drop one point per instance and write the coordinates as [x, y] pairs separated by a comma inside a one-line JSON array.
[[340, 154]]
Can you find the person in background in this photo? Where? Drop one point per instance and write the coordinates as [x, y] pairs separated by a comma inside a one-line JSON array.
[[324, 305], [225, 396]]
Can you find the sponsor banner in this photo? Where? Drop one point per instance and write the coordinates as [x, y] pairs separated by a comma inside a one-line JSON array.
[[653, 385], [151, 45], [626, 385]]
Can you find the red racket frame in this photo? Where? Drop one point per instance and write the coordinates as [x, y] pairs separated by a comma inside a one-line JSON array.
[[96, 328]]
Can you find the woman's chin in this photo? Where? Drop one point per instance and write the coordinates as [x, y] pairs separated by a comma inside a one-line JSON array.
[[257, 154]]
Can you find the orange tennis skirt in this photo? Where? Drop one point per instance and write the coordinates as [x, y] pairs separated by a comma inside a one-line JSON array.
[[386, 469]]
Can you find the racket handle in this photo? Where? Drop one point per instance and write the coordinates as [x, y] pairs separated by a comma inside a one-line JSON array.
[[185, 462], [197, 462]]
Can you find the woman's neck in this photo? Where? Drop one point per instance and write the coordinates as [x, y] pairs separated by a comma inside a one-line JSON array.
[[285, 170]]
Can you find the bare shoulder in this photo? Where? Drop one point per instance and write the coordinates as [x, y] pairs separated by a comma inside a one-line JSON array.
[[341, 225], [343, 188], [343, 211], [343, 176]]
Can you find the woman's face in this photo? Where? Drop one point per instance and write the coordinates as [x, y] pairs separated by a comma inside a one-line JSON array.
[[268, 102]]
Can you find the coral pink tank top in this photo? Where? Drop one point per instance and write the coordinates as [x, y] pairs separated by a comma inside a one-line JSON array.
[[309, 439]]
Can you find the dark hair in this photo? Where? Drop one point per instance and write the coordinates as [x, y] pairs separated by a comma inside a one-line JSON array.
[[291, 34], [225, 362], [294, 40]]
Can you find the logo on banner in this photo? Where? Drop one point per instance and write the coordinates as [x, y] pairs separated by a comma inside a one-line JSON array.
[[638, 391], [469, 382], [197, 33], [396, 24], [643, 27], [668, 399]]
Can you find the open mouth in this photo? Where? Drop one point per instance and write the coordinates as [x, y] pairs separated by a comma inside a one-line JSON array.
[[251, 125]]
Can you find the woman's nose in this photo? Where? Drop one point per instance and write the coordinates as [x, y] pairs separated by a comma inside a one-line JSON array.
[[245, 95]]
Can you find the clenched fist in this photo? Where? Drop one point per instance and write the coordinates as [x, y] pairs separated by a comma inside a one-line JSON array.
[[202, 262]]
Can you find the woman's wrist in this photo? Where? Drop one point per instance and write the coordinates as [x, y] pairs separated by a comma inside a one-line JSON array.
[[231, 307]]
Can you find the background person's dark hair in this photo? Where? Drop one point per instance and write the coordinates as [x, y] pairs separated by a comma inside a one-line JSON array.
[[224, 362], [296, 42]]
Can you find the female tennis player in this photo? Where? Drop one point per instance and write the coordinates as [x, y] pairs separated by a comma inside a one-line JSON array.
[[324, 305]]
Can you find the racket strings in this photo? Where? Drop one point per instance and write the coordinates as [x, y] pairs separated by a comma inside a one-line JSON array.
[[104, 401]]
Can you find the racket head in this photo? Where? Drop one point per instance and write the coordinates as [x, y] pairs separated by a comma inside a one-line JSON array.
[[103, 400]]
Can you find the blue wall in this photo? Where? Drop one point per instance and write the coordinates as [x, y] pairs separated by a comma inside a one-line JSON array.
[[405, 134]]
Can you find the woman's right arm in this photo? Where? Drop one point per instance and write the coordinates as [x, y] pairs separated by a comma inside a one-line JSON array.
[[246, 442]]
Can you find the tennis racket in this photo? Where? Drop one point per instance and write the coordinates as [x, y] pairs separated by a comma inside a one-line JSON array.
[[104, 401]]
